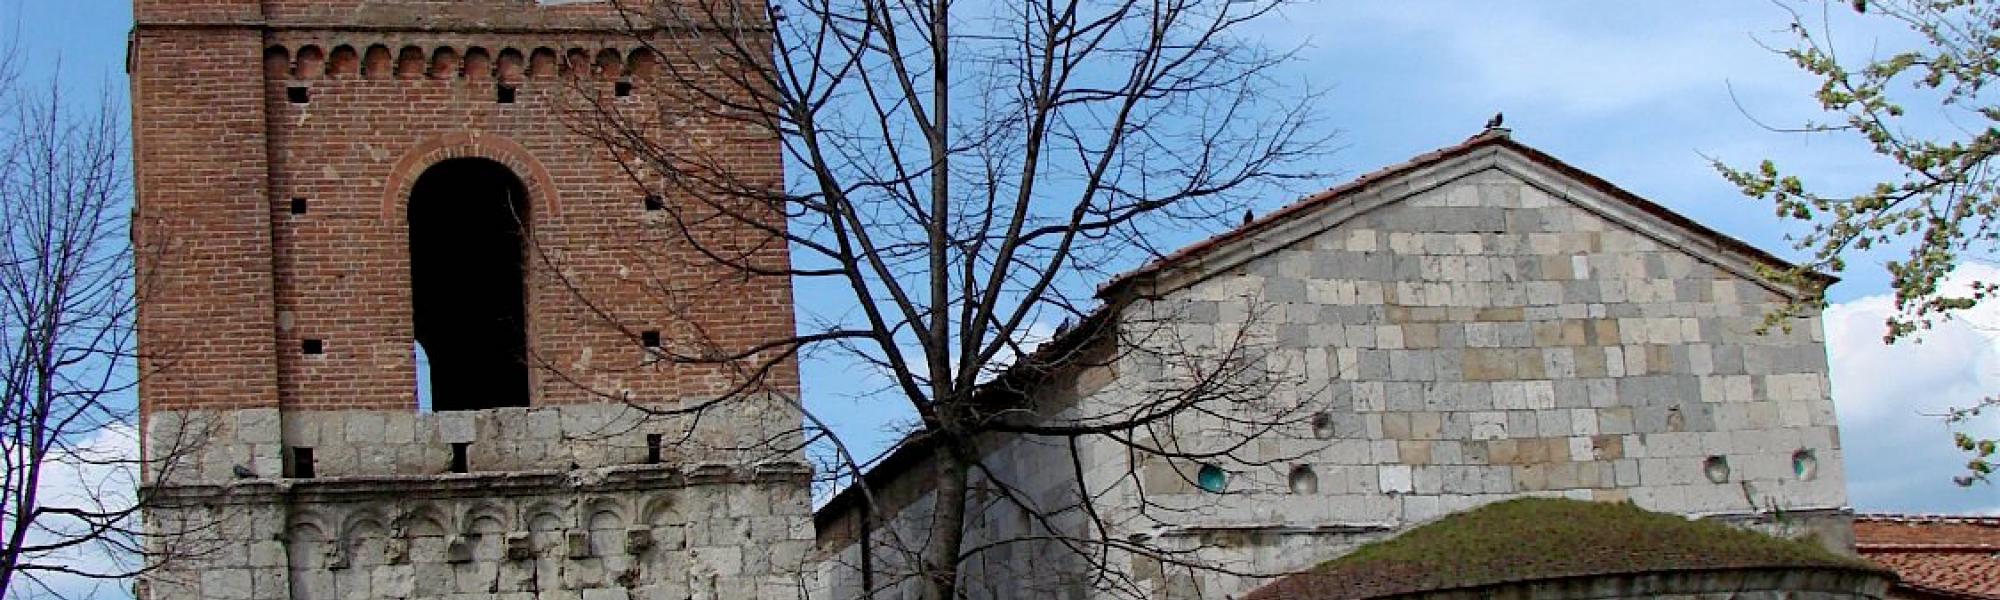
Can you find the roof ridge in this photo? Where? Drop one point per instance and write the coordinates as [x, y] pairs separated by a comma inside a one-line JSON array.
[[1300, 204], [1982, 520], [1489, 138], [1930, 547]]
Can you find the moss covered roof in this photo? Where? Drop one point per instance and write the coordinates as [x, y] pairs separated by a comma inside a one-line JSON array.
[[1540, 538]]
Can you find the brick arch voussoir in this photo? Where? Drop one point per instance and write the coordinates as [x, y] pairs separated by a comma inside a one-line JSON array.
[[542, 194]]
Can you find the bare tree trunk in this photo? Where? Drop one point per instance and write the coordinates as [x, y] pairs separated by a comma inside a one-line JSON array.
[[947, 530], [947, 527]]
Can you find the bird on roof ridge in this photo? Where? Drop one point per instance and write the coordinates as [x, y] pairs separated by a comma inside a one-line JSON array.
[[1496, 121]]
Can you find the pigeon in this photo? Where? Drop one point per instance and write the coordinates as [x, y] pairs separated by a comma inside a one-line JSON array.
[[1248, 216], [1494, 123], [243, 472]]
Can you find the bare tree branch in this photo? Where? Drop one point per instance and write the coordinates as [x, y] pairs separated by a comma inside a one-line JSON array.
[[69, 498], [963, 173]]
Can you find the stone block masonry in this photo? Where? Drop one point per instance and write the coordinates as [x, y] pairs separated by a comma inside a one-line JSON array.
[[1479, 324], [1485, 339], [550, 503], [643, 532], [273, 444]]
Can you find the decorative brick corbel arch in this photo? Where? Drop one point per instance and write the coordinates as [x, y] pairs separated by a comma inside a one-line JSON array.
[[542, 195]]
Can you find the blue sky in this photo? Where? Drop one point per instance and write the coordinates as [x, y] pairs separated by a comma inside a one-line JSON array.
[[1639, 95], [1642, 96]]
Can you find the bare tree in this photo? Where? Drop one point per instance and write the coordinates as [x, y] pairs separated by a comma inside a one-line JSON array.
[[962, 174], [69, 500]]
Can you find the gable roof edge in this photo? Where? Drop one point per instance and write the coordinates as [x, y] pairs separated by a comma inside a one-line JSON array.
[[1657, 223], [1218, 253]]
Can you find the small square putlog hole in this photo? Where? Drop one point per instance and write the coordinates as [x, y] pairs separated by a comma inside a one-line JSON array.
[[504, 94], [298, 94], [459, 464], [655, 203], [298, 206], [302, 463], [313, 346], [622, 89], [649, 339]]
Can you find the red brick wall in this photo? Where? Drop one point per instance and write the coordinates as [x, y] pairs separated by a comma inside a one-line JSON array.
[[486, 15], [202, 225], [341, 271]]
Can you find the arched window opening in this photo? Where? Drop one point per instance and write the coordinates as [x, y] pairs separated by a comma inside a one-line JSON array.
[[468, 275]]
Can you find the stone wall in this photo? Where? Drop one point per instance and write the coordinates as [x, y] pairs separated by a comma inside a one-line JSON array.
[[1487, 338], [366, 443], [634, 533], [597, 500], [1480, 329]]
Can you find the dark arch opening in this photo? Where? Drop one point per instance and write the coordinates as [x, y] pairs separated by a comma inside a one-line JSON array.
[[468, 275]]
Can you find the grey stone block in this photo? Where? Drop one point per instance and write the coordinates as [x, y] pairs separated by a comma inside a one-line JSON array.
[[1406, 396], [1372, 365], [456, 428], [364, 427], [257, 426], [1295, 336], [1521, 423], [1447, 365], [1410, 365], [1284, 289]]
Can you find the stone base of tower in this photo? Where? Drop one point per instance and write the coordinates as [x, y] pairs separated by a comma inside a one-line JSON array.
[[581, 502], [626, 533]]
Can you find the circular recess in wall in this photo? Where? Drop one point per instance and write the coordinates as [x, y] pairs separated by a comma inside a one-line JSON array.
[[1716, 468], [1212, 478], [1805, 464], [1323, 426], [1303, 480]]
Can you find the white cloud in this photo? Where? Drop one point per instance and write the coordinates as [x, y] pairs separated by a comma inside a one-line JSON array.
[[1560, 58], [100, 477], [1898, 456]]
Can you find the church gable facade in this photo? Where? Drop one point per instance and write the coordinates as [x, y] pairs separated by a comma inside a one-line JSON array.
[[1480, 323]]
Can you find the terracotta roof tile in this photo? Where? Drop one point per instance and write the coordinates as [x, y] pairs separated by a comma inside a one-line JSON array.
[[1952, 556]]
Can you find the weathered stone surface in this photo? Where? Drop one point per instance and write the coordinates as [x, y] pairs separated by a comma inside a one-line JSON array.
[[497, 535], [1480, 330]]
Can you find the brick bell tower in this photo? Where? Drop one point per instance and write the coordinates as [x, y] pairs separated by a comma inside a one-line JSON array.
[[330, 189]]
